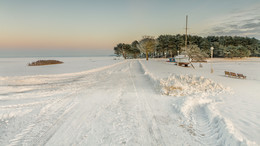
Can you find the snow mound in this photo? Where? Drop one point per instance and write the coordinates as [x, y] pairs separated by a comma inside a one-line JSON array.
[[184, 85], [197, 107]]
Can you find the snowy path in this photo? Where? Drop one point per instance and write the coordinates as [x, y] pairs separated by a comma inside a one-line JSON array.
[[119, 104], [116, 105]]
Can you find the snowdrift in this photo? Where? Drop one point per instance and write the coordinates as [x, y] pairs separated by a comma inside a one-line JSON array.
[[196, 98], [183, 85]]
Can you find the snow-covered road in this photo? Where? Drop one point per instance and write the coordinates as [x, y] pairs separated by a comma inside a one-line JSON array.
[[113, 106], [119, 104]]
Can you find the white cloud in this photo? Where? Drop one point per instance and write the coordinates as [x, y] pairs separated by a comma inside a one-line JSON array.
[[244, 22]]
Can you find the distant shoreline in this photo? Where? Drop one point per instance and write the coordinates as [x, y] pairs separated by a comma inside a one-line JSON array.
[[55, 56]]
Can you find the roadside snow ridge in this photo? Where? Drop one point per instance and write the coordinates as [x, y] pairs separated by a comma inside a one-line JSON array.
[[196, 103], [194, 100], [183, 85]]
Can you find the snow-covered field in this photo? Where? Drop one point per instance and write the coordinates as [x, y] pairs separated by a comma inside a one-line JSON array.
[[128, 102], [19, 66]]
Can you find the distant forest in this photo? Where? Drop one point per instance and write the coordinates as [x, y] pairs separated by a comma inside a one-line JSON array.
[[169, 45]]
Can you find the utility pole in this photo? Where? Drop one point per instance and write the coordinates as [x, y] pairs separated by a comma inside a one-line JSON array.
[[186, 37]]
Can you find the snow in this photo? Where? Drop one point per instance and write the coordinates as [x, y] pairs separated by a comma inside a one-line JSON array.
[[183, 85], [104, 101], [235, 109], [19, 66]]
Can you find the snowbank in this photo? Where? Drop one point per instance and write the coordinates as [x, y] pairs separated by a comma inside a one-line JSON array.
[[197, 99], [184, 85]]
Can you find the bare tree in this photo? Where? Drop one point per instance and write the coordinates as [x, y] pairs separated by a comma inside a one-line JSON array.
[[147, 45]]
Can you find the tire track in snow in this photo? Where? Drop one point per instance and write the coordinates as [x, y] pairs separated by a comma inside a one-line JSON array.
[[204, 123], [96, 111], [97, 114], [92, 118], [38, 129], [211, 129], [206, 131], [150, 120], [127, 120], [89, 117], [55, 112]]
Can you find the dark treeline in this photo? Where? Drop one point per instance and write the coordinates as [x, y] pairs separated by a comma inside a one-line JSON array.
[[168, 45]]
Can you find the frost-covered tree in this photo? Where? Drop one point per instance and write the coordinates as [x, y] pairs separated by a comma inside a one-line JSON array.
[[195, 53]]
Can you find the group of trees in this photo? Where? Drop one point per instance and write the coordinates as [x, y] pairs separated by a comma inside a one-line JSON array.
[[44, 62], [169, 45]]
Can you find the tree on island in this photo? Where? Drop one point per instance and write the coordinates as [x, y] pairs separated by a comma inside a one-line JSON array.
[[44, 62]]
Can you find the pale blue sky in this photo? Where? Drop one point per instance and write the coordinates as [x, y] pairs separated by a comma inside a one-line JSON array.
[[101, 24]]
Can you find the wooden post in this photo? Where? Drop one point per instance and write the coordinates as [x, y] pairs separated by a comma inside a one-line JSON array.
[[146, 52], [211, 50]]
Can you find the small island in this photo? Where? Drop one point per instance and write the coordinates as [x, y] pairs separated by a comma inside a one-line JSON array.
[[44, 62]]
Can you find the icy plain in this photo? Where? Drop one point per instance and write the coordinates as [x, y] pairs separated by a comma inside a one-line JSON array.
[[104, 101]]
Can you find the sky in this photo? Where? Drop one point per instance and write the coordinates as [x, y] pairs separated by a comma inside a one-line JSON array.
[[101, 24]]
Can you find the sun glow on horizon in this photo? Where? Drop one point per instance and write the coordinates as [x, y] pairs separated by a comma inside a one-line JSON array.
[[103, 24]]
